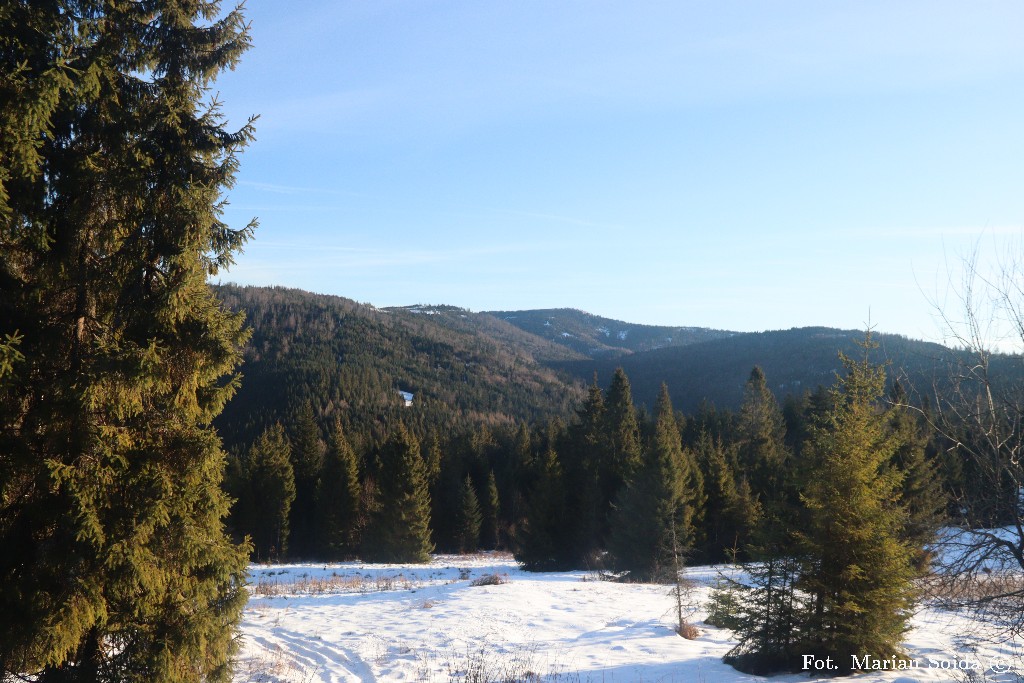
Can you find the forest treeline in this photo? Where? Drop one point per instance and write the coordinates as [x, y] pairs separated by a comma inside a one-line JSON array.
[[554, 490]]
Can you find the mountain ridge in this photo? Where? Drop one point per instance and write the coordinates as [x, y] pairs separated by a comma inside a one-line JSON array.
[[350, 360]]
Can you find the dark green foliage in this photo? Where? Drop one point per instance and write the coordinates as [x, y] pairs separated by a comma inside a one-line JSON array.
[[732, 510], [432, 460], [468, 519], [115, 355], [795, 360], [760, 441], [490, 512], [338, 494], [921, 489], [586, 458], [662, 500], [724, 605], [541, 544], [307, 457], [272, 483], [399, 529], [622, 431]]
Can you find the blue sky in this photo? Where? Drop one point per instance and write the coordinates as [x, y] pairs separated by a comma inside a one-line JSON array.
[[738, 165]]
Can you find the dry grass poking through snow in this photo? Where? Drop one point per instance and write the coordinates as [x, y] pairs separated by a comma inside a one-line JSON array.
[[490, 580], [269, 587]]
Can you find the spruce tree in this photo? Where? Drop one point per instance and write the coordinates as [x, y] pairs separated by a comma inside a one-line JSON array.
[[524, 472], [769, 614], [660, 500], [272, 482], [586, 460], [399, 529], [307, 458], [732, 510], [468, 518], [490, 512], [432, 459], [622, 431], [115, 353], [540, 545], [761, 439], [856, 564], [921, 489], [542, 542], [338, 494]]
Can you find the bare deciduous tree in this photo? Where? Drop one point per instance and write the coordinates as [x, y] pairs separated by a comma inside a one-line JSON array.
[[976, 405]]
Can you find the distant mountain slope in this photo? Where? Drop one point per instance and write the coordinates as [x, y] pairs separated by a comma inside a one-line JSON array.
[[594, 336], [352, 360], [793, 360], [464, 368]]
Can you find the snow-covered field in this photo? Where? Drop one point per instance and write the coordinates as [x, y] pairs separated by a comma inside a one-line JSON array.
[[373, 622]]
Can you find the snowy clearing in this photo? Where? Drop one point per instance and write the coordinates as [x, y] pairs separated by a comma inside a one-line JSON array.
[[362, 622]]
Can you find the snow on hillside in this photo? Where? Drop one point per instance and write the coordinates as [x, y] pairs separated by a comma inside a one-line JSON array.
[[363, 622]]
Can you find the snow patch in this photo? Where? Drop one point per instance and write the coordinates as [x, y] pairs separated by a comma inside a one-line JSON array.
[[353, 621]]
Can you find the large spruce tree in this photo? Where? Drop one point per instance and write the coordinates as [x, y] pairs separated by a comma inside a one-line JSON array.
[[542, 543], [116, 353], [399, 528], [272, 483], [338, 497], [654, 515], [307, 459], [468, 518], [856, 562], [622, 430], [761, 432]]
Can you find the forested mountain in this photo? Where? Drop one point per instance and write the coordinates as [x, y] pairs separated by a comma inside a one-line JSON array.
[[597, 337], [794, 360], [351, 360]]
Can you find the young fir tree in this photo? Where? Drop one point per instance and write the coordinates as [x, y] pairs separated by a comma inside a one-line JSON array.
[[660, 501], [272, 482], [467, 518], [767, 613], [338, 494], [399, 529], [116, 354], [856, 566]]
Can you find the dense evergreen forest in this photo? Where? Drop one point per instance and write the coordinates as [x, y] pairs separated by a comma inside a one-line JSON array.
[[350, 361], [495, 429]]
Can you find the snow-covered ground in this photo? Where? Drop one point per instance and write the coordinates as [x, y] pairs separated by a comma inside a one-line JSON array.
[[373, 622]]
